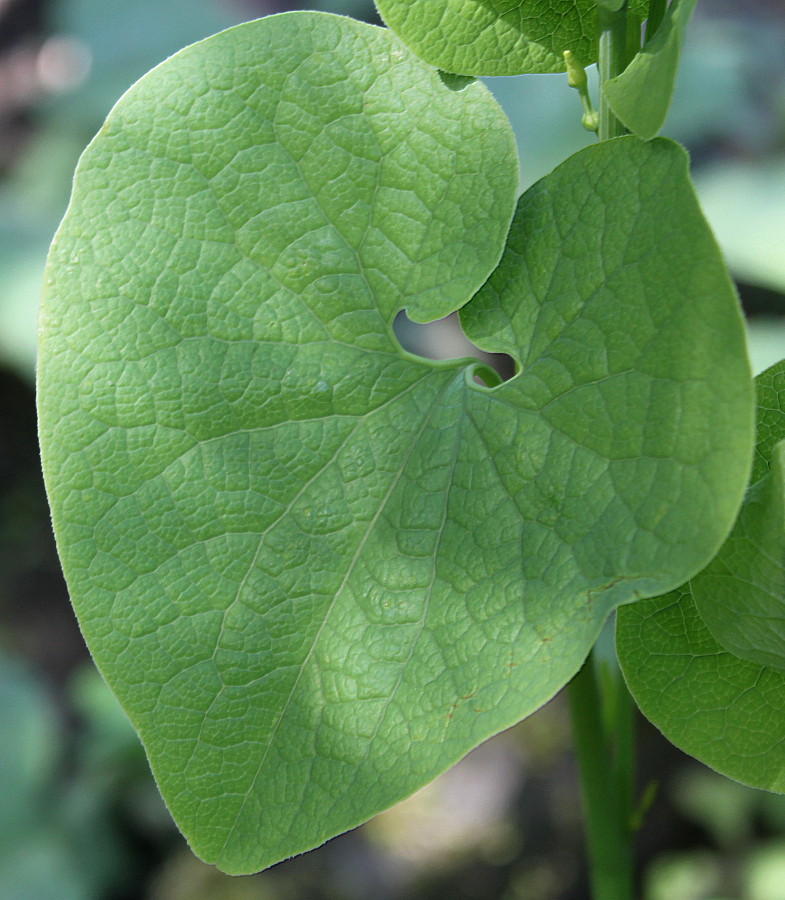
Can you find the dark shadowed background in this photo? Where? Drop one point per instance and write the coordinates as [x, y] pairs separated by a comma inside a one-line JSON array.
[[80, 818]]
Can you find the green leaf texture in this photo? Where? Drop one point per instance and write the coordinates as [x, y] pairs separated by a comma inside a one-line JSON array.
[[641, 95], [497, 37], [316, 570], [590, 296], [741, 595], [724, 706]]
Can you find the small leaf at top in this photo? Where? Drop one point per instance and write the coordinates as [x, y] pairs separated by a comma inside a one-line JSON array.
[[723, 701], [641, 96], [497, 37]]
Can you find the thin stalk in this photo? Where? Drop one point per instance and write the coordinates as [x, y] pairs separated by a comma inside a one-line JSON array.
[[490, 377], [617, 716], [602, 731], [613, 58], [614, 35], [623, 731], [633, 36], [612, 62], [608, 837], [656, 15]]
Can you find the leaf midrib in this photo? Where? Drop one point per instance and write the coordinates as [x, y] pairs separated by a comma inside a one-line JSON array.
[[361, 545]]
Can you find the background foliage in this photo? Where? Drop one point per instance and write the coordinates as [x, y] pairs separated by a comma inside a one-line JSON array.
[[80, 811]]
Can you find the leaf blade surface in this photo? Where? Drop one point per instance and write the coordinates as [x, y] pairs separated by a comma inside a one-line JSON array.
[[722, 704], [315, 570], [497, 37], [641, 95]]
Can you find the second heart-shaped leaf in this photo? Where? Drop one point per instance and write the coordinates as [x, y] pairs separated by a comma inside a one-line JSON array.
[[704, 671]]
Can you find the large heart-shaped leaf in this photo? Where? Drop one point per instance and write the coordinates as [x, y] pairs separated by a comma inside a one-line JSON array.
[[641, 95], [721, 702], [315, 569], [498, 37]]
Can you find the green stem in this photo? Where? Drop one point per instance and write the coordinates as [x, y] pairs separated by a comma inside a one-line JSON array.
[[603, 733], [656, 15], [488, 374], [608, 836], [624, 734], [612, 62], [617, 716], [633, 36]]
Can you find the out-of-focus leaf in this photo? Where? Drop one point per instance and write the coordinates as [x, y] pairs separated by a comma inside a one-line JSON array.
[[28, 747], [124, 40], [766, 339], [41, 867], [745, 205]]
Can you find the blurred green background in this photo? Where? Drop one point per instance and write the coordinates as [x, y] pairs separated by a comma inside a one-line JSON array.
[[80, 818]]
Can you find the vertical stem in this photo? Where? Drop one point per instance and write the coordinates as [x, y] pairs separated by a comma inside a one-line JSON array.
[[611, 62], [634, 42], [656, 15], [603, 734], [624, 738], [617, 716], [608, 837]]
